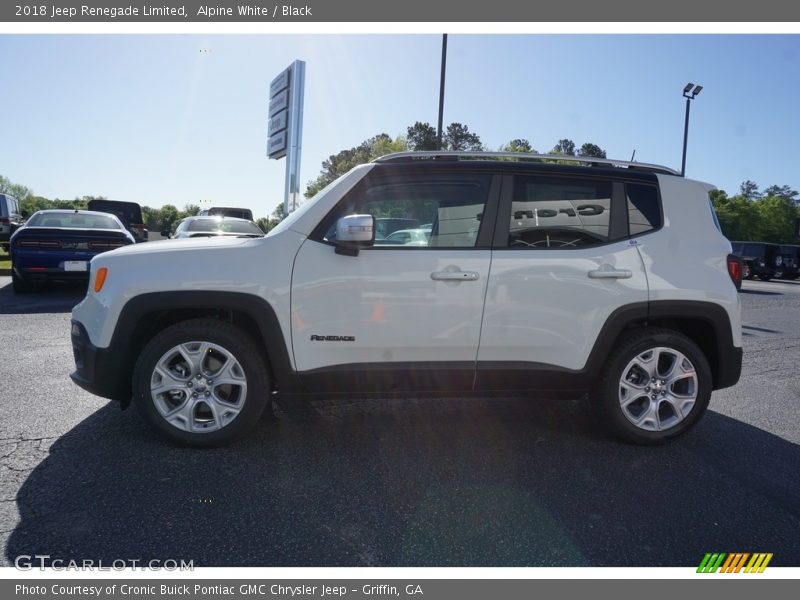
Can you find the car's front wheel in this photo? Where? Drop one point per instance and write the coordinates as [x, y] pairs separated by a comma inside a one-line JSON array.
[[656, 385], [202, 382]]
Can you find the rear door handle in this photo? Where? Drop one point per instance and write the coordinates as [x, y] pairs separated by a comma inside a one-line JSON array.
[[455, 276], [610, 274]]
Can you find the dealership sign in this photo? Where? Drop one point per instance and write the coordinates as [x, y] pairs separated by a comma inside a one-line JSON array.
[[285, 126]]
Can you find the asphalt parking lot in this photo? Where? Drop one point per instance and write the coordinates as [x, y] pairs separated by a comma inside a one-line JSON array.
[[398, 483]]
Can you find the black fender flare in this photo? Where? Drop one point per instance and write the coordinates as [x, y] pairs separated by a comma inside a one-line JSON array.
[[131, 331]]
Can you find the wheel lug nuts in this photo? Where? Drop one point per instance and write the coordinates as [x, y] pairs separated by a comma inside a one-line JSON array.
[[189, 384], [647, 389], [208, 393]]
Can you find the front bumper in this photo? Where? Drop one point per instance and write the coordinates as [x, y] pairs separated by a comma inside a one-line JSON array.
[[96, 371]]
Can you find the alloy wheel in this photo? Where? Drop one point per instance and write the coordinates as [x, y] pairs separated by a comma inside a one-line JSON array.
[[198, 387], [658, 389]]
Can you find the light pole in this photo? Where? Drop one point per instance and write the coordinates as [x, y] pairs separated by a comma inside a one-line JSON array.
[[441, 92], [689, 92]]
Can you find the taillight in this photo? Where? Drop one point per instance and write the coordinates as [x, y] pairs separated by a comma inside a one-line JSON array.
[[5, 221], [735, 270], [105, 245], [29, 243]]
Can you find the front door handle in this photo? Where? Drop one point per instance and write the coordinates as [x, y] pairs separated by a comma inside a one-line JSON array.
[[455, 276], [610, 274]]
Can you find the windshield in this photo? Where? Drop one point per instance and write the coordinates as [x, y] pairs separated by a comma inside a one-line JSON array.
[[73, 220], [225, 226]]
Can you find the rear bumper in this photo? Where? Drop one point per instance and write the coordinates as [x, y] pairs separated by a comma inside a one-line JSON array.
[[35, 265], [41, 275], [96, 371]]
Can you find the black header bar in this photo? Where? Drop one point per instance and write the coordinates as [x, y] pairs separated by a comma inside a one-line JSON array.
[[320, 11]]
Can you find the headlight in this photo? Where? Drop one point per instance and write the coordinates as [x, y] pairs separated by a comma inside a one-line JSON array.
[[778, 261]]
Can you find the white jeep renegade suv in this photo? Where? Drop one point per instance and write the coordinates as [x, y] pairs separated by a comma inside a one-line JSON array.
[[537, 277]]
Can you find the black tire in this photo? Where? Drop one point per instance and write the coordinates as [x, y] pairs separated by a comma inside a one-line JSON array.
[[764, 277], [235, 341], [19, 284], [606, 393]]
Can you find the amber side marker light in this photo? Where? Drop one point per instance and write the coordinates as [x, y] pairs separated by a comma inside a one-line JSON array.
[[100, 279]]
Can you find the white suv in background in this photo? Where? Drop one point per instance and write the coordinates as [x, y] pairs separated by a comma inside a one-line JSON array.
[[538, 277]]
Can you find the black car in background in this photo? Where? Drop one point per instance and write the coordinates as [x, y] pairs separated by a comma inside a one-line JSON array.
[[129, 213], [10, 218], [760, 259], [791, 261]]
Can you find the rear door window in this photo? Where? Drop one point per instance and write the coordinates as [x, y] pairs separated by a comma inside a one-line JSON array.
[[559, 212]]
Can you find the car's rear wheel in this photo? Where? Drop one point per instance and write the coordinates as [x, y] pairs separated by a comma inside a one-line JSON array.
[[656, 385], [202, 382], [764, 277]]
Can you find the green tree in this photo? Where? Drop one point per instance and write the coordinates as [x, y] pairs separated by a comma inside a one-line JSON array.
[[338, 164], [19, 191], [264, 224], [168, 218], [458, 137], [565, 146], [518, 145], [592, 150], [783, 191], [749, 190], [191, 210], [776, 219], [421, 136], [152, 218], [738, 218]]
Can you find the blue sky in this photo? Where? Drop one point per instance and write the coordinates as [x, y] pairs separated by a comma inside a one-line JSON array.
[[154, 120]]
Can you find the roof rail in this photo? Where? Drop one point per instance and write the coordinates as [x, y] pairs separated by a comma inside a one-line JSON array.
[[586, 160]]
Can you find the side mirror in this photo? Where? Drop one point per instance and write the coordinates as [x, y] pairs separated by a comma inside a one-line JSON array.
[[354, 232], [165, 234]]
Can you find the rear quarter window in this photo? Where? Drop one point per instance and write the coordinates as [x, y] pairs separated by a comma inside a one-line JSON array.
[[644, 208]]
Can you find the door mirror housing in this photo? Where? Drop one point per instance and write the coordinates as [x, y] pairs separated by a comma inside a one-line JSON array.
[[354, 232], [165, 234]]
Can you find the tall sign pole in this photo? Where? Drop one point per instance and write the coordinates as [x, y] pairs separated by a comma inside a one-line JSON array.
[[441, 92], [286, 127]]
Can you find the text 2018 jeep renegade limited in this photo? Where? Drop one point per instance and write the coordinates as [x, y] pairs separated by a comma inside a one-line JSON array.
[[525, 276]]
